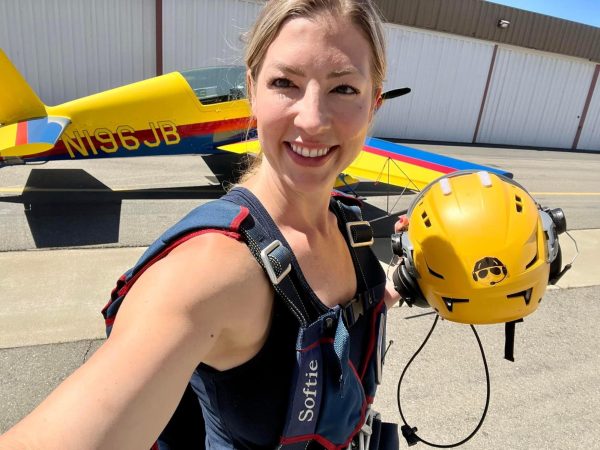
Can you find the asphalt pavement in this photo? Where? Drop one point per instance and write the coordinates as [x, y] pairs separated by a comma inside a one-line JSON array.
[[549, 398]]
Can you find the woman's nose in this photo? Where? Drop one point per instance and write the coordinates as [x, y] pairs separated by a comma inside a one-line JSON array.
[[312, 115]]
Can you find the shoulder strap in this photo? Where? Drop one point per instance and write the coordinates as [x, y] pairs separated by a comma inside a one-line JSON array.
[[273, 253], [214, 215], [359, 236], [358, 232], [221, 216]]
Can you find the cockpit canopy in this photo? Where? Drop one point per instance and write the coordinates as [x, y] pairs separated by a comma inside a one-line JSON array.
[[217, 84]]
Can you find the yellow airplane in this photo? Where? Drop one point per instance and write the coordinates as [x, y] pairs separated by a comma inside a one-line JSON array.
[[201, 111]]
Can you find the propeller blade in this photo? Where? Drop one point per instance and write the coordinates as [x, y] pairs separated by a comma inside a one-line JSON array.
[[395, 93]]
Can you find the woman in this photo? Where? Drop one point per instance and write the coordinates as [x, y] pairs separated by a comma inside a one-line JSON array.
[[315, 73]]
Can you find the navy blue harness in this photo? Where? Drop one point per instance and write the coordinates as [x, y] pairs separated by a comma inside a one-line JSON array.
[[339, 351]]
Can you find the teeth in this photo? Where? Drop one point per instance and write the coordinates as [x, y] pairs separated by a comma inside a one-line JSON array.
[[309, 153]]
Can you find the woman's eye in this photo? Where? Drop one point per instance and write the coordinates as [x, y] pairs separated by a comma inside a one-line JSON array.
[[281, 83], [346, 89]]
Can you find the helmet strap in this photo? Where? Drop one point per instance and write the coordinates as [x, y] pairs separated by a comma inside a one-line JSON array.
[[509, 339]]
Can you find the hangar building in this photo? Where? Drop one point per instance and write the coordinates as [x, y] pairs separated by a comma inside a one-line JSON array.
[[479, 72]]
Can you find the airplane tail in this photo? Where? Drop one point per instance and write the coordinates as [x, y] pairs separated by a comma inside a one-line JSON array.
[[17, 100], [25, 128]]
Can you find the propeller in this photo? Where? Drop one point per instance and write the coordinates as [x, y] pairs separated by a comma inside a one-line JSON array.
[[395, 93]]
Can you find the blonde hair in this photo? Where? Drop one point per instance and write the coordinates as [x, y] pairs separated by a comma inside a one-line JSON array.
[[362, 13]]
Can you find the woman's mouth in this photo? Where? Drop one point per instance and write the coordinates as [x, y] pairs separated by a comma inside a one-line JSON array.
[[309, 152]]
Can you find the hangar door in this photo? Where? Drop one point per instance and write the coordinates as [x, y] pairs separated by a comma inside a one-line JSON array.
[[590, 133], [535, 99], [71, 48], [447, 75], [203, 33]]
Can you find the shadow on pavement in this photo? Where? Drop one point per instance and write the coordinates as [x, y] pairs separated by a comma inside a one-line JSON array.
[[70, 207]]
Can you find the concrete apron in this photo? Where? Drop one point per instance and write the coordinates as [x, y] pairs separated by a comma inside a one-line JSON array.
[[55, 296]]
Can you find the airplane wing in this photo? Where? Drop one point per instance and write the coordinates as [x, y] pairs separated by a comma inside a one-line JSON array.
[[401, 165], [250, 146], [388, 162]]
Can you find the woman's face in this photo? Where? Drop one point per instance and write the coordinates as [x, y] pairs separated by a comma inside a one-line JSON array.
[[313, 100]]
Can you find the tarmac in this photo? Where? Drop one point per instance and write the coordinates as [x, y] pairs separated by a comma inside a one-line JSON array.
[[549, 398], [55, 296]]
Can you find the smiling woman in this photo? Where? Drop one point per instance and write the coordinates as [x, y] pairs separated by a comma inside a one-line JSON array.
[[285, 352], [313, 100]]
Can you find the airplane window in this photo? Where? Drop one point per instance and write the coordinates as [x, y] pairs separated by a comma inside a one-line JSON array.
[[217, 84]]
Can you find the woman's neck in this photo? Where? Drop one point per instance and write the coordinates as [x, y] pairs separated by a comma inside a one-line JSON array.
[[306, 212]]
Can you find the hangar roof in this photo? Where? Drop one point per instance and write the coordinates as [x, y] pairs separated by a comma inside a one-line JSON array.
[[480, 19]]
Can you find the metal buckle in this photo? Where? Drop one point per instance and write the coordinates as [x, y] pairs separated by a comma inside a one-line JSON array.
[[349, 226], [353, 310], [363, 438], [264, 256]]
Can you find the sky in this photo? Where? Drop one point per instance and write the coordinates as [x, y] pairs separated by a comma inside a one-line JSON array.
[[582, 11]]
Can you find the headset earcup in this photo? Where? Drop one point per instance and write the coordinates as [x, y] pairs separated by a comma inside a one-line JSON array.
[[407, 287], [555, 266]]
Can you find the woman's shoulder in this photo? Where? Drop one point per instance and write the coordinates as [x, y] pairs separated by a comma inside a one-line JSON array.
[[219, 254], [207, 274], [210, 285], [209, 266]]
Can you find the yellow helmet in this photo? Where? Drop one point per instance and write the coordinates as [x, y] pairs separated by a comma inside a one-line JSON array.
[[479, 248]]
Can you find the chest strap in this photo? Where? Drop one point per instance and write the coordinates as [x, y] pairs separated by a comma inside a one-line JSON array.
[[360, 305]]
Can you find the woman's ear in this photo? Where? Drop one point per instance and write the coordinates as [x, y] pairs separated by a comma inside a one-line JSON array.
[[250, 88], [378, 99], [377, 102]]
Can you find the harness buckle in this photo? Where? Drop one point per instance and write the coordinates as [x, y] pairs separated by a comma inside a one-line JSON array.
[[363, 439], [264, 256], [360, 233], [353, 310]]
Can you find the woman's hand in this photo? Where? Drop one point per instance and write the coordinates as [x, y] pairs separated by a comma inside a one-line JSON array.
[[401, 224]]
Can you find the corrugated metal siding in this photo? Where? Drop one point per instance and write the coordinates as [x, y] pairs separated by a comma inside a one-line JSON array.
[[534, 99], [201, 33], [479, 19], [71, 48], [590, 134], [447, 75]]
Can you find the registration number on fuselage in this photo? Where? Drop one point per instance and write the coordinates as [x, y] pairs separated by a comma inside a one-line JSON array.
[[84, 142]]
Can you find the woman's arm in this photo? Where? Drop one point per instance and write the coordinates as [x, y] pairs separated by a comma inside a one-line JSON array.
[[391, 295], [192, 306]]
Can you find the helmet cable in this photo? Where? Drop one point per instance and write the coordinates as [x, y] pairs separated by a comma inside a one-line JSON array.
[[410, 433]]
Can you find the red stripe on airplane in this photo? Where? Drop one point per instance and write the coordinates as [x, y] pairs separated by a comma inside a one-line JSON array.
[[212, 127], [21, 138], [409, 160]]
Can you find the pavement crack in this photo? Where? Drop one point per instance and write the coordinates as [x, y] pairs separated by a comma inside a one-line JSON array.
[[87, 351]]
